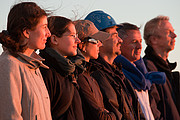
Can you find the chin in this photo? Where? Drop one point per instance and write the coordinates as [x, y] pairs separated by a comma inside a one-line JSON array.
[[95, 57], [118, 53], [73, 54], [42, 47]]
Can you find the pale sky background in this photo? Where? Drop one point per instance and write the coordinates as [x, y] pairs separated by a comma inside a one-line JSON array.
[[134, 11]]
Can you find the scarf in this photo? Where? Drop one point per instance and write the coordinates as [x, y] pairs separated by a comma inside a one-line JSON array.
[[140, 78], [61, 62]]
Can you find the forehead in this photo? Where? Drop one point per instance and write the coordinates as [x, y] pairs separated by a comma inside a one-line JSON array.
[[165, 25], [112, 30], [43, 20], [71, 28], [134, 34]]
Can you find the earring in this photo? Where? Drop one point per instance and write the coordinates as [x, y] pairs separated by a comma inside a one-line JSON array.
[[84, 50]]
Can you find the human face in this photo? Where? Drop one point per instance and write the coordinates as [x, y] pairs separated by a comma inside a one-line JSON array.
[[113, 44], [166, 36], [39, 35], [132, 45], [67, 44], [92, 50]]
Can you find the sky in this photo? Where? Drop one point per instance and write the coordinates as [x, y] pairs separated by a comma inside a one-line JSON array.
[[137, 12]]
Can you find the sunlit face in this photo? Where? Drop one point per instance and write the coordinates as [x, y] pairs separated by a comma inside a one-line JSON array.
[[113, 44], [39, 35], [166, 39], [132, 45], [92, 50], [67, 44]]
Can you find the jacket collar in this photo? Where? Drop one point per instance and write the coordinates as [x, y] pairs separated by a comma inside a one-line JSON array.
[[33, 62], [158, 61], [113, 70]]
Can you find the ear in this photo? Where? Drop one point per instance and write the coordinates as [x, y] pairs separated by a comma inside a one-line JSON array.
[[54, 39], [26, 33], [153, 40]]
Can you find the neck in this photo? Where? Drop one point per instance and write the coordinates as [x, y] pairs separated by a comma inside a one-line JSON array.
[[87, 59], [28, 52], [161, 53], [108, 58]]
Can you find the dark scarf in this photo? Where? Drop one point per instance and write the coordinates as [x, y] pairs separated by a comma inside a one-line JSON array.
[[162, 65], [64, 66], [79, 61], [59, 62], [140, 78]]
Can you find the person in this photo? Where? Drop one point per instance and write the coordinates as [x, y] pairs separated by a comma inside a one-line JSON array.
[[60, 78], [23, 94], [93, 105], [117, 91], [134, 68], [160, 39]]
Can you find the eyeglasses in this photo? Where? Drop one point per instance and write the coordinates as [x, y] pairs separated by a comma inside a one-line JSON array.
[[91, 40]]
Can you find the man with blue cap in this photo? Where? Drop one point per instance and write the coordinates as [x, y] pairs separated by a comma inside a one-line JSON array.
[[118, 93]]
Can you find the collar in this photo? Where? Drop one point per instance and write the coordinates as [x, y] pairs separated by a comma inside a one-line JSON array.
[[158, 61], [33, 62], [113, 70]]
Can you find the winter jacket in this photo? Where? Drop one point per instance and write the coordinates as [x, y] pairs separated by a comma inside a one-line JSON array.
[[62, 86], [165, 97], [23, 94], [92, 99], [118, 93]]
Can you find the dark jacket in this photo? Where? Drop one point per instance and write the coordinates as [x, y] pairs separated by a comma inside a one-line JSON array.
[[92, 99], [166, 96], [117, 91], [62, 88]]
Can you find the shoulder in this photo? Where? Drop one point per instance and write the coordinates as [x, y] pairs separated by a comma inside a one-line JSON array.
[[50, 73], [98, 74], [9, 62], [150, 64]]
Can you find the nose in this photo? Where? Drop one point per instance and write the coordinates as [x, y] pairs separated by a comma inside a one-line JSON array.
[[99, 44], [77, 40], [173, 35], [48, 33], [120, 40], [139, 45]]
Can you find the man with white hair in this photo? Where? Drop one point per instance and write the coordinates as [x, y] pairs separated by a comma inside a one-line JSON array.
[[160, 39]]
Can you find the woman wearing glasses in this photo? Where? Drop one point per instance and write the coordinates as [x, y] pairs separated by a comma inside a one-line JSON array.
[[92, 100], [60, 78]]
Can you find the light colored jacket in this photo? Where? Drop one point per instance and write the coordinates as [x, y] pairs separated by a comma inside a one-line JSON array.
[[23, 94]]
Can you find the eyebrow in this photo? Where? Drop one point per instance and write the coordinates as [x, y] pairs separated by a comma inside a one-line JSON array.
[[169, 29], [114, 33]]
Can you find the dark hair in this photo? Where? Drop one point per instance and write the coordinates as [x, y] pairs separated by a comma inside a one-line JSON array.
[[57, 26], [25, 15], [124, 27]]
